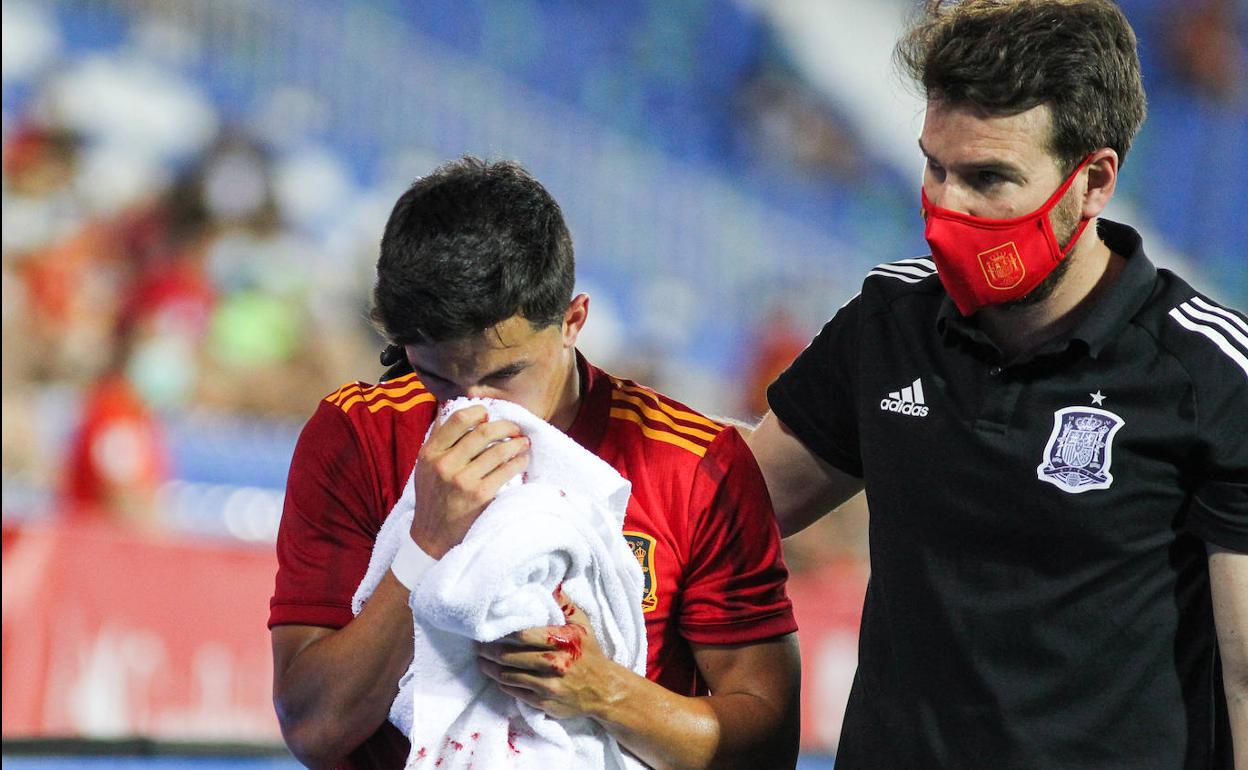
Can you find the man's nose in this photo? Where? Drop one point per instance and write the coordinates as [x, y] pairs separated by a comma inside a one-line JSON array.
[[949, 196]]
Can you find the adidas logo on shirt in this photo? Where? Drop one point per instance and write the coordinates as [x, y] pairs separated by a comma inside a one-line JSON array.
[[907, 401]]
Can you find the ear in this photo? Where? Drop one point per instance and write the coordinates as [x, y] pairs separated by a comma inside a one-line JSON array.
[[574, 319], [1102, 176]]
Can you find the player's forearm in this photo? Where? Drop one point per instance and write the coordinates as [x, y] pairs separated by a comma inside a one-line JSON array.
[[668, 731], [337, 691]]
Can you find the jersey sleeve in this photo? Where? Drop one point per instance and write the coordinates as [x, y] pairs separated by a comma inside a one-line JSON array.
[[735, 582], [816, 397], [1219, 509], [326, 534]]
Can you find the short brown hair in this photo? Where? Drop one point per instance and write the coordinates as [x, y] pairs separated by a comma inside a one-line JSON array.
[[1007, 56]]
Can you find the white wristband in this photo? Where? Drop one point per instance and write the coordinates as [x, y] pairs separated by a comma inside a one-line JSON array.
[[410, 562]]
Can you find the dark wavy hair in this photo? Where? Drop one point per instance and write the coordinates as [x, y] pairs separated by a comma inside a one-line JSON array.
[[468, 246], [1007, 56]]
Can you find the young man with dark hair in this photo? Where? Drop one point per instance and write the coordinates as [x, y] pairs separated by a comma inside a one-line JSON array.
[[474, 288], [1052, 433]]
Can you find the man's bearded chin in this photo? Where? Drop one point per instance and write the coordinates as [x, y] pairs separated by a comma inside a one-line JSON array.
[[1065, 218]]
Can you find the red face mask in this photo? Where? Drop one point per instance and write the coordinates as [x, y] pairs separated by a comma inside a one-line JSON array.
[[987, 261]]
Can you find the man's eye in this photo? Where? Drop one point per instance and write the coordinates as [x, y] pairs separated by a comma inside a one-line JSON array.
[[988, 178]]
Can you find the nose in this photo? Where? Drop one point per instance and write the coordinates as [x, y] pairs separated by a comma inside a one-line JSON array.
[[946, 195]]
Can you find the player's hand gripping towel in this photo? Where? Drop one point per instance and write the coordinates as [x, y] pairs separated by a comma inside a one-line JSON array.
[[560, 524]]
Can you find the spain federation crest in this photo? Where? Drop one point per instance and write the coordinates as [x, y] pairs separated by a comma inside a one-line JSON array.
[[642, 546], [1003, 267], [1080, 449]]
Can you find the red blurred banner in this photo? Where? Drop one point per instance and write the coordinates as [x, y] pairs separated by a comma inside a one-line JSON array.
[[108, 633], [828, 605]]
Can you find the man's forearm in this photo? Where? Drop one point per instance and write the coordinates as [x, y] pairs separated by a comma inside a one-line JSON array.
[[1237, 705], [337, 690], [1228, 585], [668, 731]]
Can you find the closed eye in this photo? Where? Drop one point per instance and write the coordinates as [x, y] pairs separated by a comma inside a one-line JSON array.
[[502, 376]]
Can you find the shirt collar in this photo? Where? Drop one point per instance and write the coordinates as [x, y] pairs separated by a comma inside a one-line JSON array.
[[1122, 299], [591, 416], [1107, 317]]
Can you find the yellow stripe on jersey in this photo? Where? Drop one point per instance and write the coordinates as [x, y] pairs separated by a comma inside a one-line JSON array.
[[627, 413], [381, 395], [376, 405], [353, 392], [659, 403], [388, 389], [337, 395], [423, 398], [663, 417]]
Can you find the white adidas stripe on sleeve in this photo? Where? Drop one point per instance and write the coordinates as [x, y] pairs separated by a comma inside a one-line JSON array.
[[920, 261], [1214, 332], [897, 267], [886, 274], [1217, 320], [908, 270], [1212, 308]]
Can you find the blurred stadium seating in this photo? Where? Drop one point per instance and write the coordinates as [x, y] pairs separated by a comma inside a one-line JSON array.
[[193, 193]]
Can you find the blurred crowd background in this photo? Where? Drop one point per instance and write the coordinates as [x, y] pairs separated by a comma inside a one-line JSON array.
[[193, 193]]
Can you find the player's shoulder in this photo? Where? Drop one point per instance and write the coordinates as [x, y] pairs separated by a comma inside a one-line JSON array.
[[403, 401], [664, 424], [1209, 338]]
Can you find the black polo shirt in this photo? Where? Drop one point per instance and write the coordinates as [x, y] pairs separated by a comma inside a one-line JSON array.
[[1039, 593]]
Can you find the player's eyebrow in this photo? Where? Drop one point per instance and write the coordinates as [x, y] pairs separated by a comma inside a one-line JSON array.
[[424, 372]]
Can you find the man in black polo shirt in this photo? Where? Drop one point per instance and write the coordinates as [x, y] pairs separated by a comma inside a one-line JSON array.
[[1053, 433]]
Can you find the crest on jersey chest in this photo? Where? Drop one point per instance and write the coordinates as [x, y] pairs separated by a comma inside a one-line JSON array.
[[642, 546], [1080, 449]]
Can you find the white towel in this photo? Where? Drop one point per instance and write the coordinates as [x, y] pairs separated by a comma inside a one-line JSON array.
[[560, 524]]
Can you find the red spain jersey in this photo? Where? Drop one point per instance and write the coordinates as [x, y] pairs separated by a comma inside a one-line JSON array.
[[699, 519]]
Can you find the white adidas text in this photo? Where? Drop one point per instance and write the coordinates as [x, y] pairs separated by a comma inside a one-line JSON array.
[[908, 401], [902, 407]]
